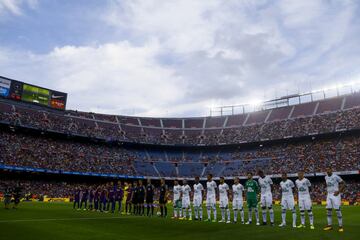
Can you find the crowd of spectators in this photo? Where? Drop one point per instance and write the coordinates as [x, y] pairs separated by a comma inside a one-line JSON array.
[[111, 128], [64, 155], [44, 152]]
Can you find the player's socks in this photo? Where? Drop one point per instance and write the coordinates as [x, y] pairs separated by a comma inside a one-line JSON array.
[[209, 213], [162, 211], [250, 215], [271, 212], [215, 215], [152, 210], [311, 217], [201, 213], [222, 215], [175, 212], [264, 214], [147, 210], [242, 214], [294, 217], [190, 213], [235, 215], [302, 217], [339, 216], [257, 215], [329, 217], [228, 214], [283, 216]]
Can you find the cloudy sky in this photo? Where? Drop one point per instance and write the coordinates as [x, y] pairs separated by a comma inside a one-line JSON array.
[[178, 58]]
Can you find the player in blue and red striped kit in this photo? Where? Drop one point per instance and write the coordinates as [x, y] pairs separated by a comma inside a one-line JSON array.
[[76, 199], [84, 199], [97, 199], [103, 199], [91, 199], [111, 202]]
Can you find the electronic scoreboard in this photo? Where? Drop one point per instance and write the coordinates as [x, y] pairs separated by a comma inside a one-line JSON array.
[[20, 91]]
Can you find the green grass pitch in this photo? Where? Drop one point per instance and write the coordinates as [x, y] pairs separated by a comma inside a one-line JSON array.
[[59, 221]]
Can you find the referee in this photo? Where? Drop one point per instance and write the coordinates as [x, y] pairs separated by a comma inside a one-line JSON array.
[[149, 196], [163, 198]]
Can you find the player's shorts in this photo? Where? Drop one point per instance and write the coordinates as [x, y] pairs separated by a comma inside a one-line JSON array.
[[224, 203], [185, 203], [266, 200], [210, 202], [150, 200], [252, 202], [237, 204], [162, 200], [177, 203], [197, 202], [7, 200], [141, 199], [287, 202], [305, 203], [333, 202]]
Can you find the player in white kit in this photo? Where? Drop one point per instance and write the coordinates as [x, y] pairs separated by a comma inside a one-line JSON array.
[[266, 200], [177, 198], [335, 185], [287, 200], [224, 200], [211, 197], [198, 199], [185, 201], [304, 200], [237, 202]]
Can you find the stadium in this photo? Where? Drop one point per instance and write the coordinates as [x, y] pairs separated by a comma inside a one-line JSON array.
[[75, 174]]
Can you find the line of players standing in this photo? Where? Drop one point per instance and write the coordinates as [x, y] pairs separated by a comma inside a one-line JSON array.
[[111, 197], [12, 195], [182, 205], [105, 198]]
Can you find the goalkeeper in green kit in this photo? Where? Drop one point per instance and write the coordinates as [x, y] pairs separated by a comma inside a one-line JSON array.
[[252, 190]]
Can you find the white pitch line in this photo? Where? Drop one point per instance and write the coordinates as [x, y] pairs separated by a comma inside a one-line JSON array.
[[58, 219]]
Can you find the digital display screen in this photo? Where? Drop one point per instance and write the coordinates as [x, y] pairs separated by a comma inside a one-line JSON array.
[[58, 100], [35, 95], [16, 90], [4, 87], [20, 91]]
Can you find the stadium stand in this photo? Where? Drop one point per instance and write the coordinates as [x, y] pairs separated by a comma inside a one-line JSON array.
[[323, 116], [309, 136]]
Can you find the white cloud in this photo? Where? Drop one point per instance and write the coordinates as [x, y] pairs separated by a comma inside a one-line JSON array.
[[14, 7], [179, 57], [107, 77]]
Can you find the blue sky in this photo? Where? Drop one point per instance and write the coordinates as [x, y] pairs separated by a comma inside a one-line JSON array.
[[178, 58]]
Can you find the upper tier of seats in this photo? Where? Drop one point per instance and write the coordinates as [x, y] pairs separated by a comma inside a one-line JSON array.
[[324, 116]]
